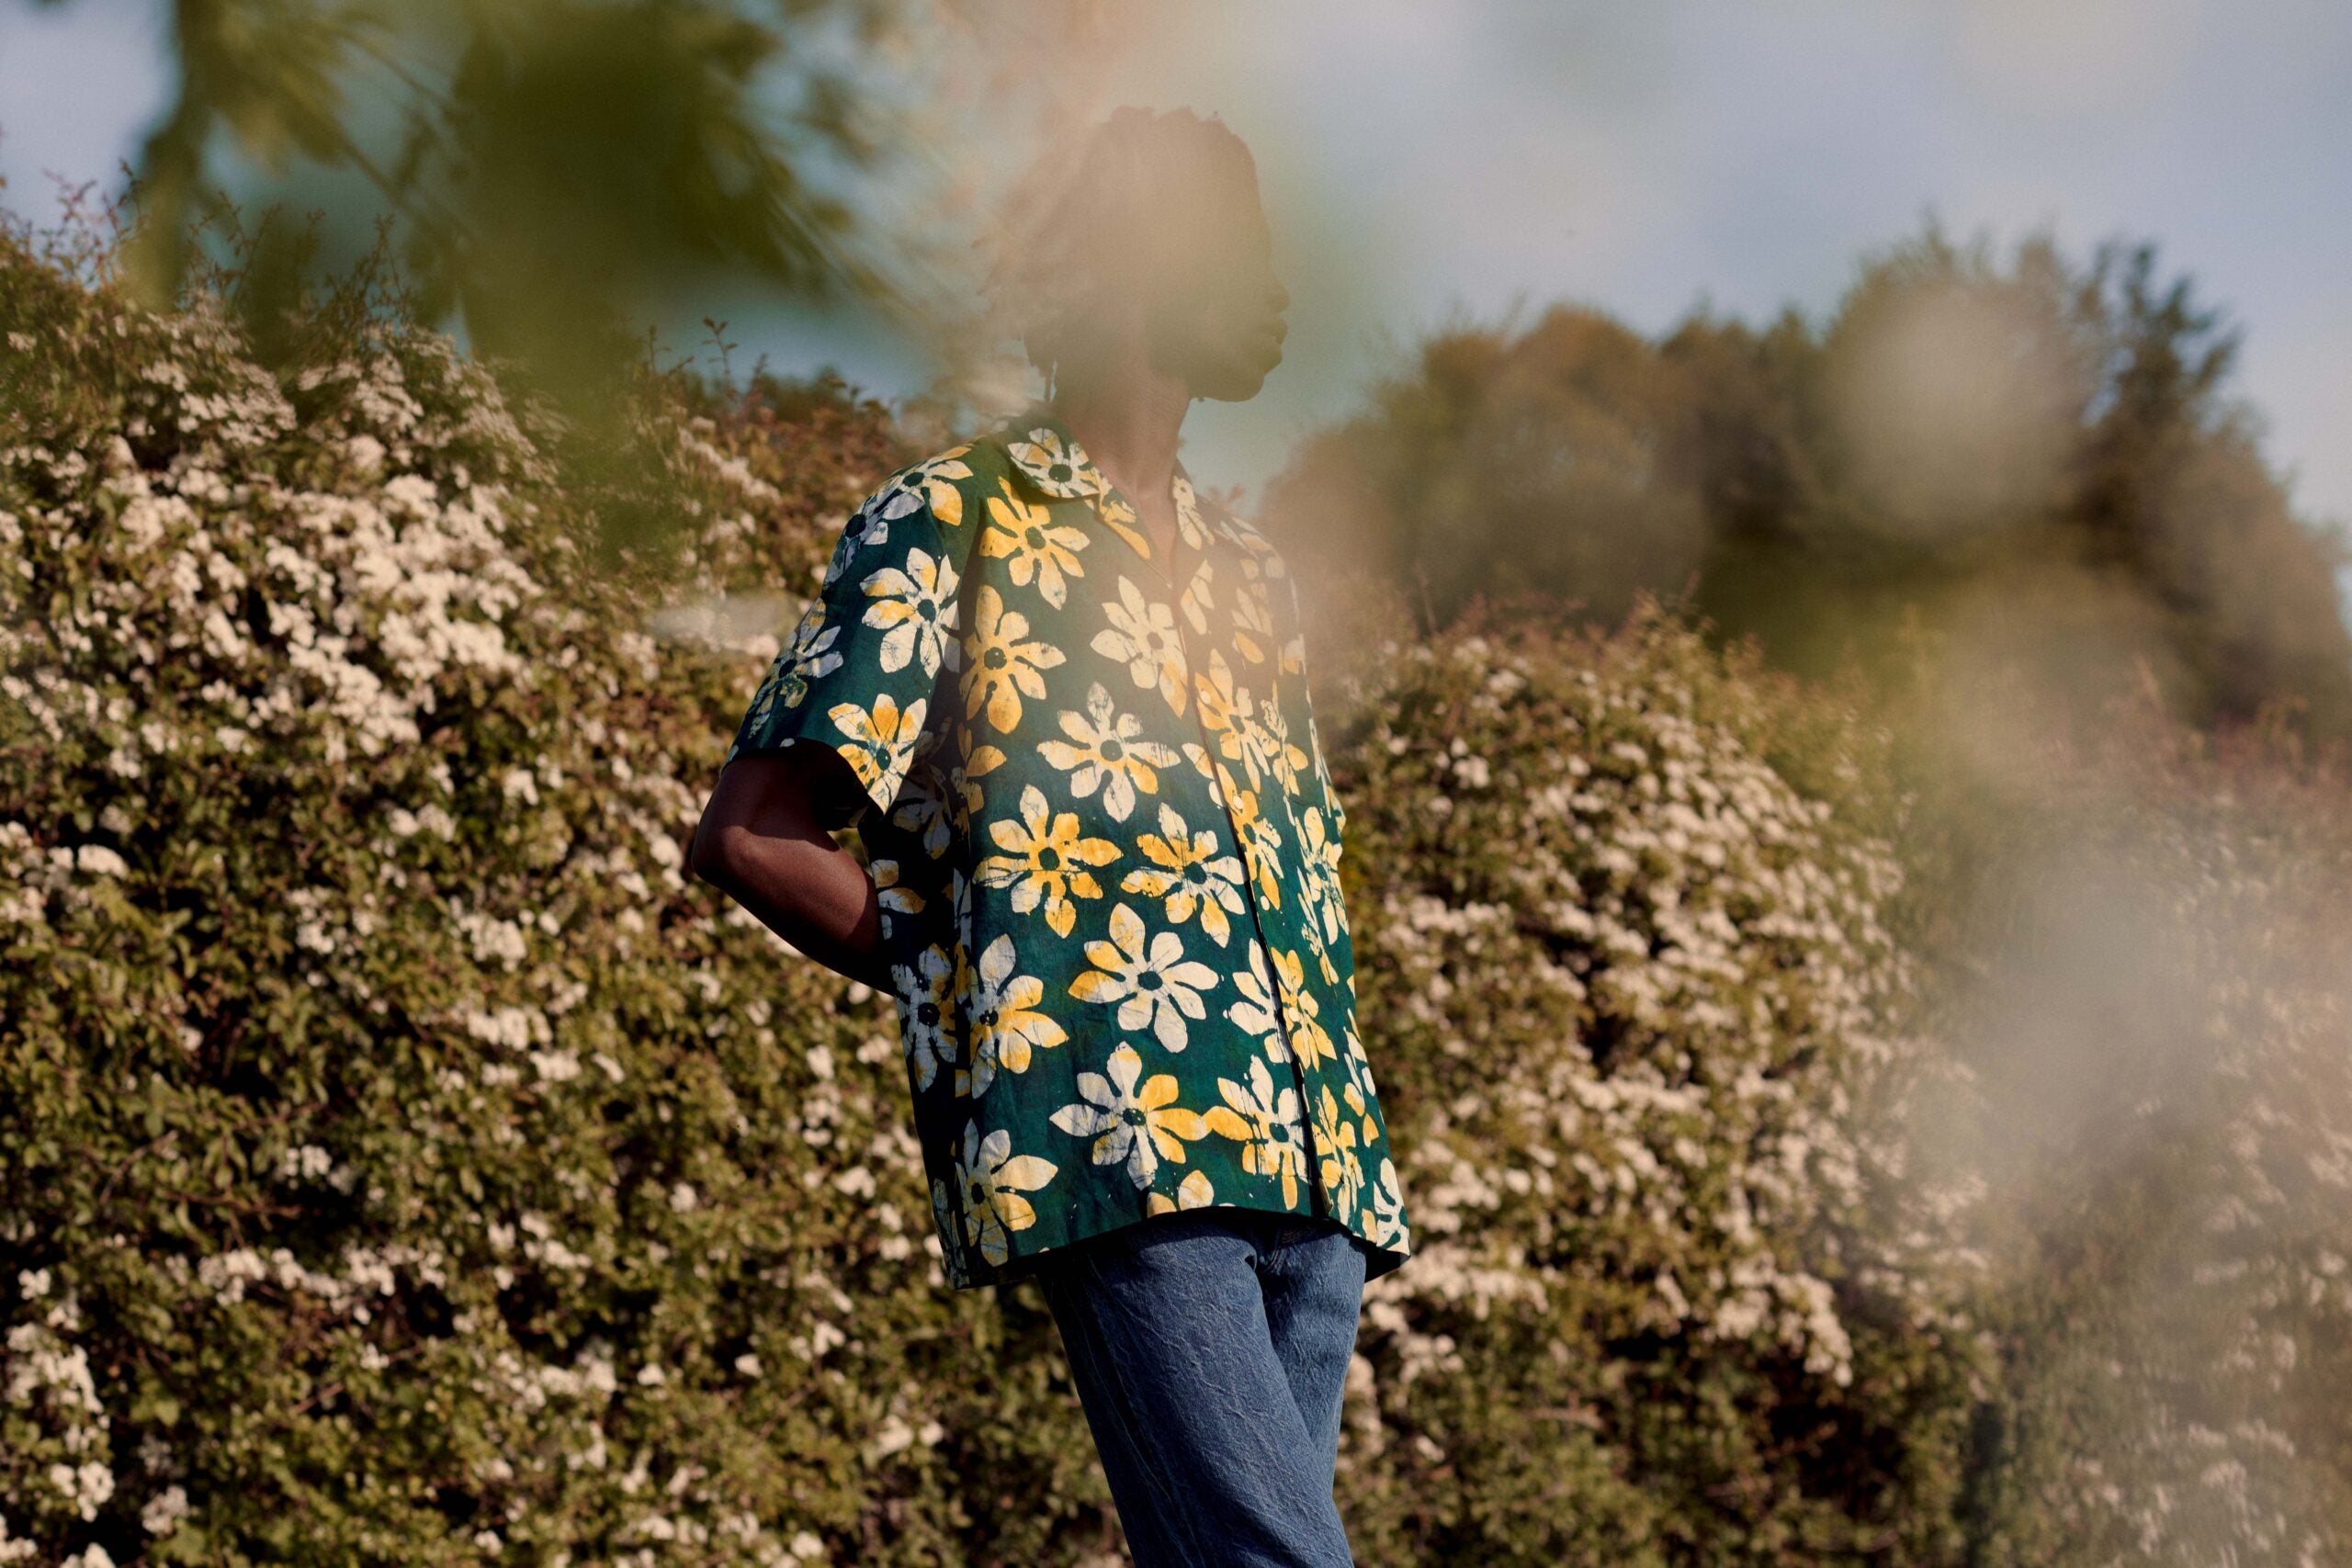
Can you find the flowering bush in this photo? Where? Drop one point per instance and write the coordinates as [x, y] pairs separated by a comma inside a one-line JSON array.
[[2158, 1024], [1672, 1301], [404, 1161]]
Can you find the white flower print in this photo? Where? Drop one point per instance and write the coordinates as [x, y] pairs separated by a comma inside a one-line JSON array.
[[1335, 1144], [994, 1180], [1259, 1011], [1108, 751], [1265, 1121], [1187, 872], [1142, 635], [1121, 800], [1033, 547], [881, 743], [926, 1026], [951, 1241], [1004, 1021], [924, 808], [1136, 1124], [809, 657], [928, 483], [915, 610], [1058, 467], [1154, 986], [1189, 526], [894, 898], [1387, 1207], [1282, 758]]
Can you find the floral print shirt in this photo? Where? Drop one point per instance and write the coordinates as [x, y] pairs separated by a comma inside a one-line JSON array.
[[1107, 849]]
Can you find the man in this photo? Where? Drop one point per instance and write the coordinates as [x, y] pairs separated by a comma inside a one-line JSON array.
[[1063, 698]]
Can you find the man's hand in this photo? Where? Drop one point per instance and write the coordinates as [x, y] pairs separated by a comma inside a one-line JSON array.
[[764, 842]]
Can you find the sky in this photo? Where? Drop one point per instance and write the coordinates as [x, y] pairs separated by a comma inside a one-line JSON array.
[[1431, 164]]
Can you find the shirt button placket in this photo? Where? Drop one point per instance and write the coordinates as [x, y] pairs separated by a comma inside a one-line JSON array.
[[1319, 1200]]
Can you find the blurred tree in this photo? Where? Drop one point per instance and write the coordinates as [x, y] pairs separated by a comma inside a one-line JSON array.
[[2035, 461], [551, 167]]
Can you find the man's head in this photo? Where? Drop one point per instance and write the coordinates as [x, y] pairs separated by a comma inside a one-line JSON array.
[[1144, 229]]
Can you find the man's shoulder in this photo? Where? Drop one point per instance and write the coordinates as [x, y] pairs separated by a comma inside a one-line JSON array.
[[949, 483], [950, 464]]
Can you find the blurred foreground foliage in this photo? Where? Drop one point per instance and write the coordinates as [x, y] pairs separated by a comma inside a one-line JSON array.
[[553, 172], [400, 1160], [1969, 461]]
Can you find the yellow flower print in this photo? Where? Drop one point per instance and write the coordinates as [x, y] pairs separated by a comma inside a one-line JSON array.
[[1121, 519], [1109, 754], [1335, 1141], [1282, 758], [1190, 875], [1198, 755], [1142, 635], [1265, 1122], [1196, 1191], [1250, 743], [1036, 547], [1220, 700], [1308, 1038], [964, 778], [1231, 710], [1135, 1124], [1059, 468], [994, 1178], [1111, 849], [1260, 840], [1002, 667], [1046, 861], [1157, 987], [928, 483], [881, 740], [1004, 1021], [914, 608], [926, 1028]]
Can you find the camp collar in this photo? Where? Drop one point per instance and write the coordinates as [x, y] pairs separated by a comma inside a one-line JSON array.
[[1050, 458]]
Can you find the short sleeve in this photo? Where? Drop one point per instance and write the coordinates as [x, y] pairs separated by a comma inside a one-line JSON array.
[[1298, 704], [859, 672]]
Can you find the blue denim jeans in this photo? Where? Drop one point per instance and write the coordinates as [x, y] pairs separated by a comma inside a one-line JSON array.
[[1210, 1348]]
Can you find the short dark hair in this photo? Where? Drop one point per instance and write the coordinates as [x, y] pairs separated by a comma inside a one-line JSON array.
[[1098, 187]]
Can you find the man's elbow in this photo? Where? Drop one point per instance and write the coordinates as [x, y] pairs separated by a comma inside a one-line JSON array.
[[711, 857]]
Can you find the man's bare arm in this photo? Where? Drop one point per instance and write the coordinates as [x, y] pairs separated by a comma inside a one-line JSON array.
[[764, 842]]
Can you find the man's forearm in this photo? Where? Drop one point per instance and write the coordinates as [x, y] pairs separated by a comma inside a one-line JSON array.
[[814, 895]]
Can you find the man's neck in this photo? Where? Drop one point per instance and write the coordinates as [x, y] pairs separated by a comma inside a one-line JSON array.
[[1129, 426]]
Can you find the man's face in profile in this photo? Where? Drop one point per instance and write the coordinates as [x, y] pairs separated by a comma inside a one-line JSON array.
[[1215, 317]]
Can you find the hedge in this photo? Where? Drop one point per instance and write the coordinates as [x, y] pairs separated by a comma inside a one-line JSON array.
[[404, 1161]]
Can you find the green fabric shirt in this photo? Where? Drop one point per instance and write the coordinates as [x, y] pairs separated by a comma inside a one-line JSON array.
[[1107, 849]]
